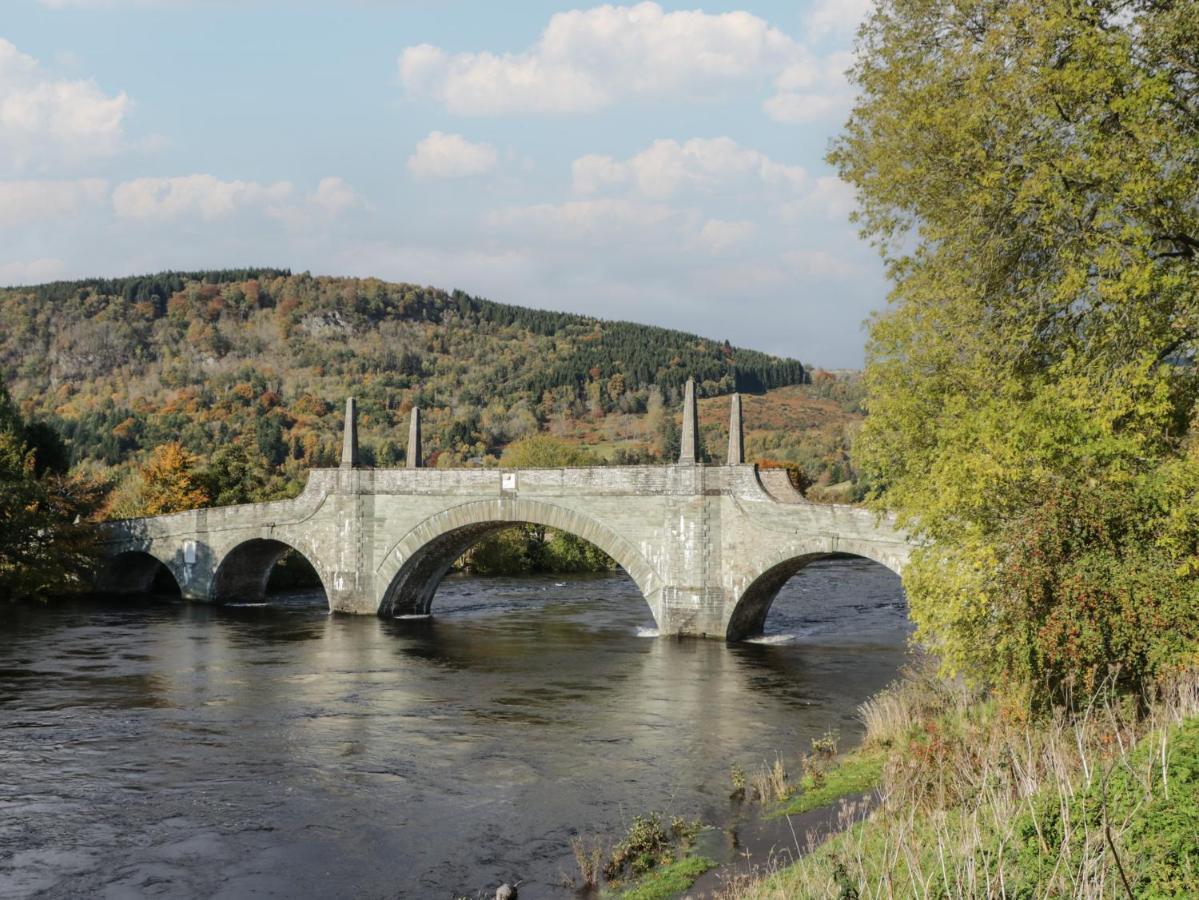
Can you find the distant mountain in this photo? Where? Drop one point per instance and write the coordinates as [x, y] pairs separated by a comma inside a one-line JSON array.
[[266, 357]]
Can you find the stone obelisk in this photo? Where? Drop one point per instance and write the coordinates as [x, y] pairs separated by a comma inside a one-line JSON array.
[[349, 440], [736, 434], [689, 440], [415, 457]]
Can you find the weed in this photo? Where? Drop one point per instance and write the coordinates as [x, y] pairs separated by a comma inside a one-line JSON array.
[[737, 776], [644, 846], [589, 857], [825, 746], [685, 830]]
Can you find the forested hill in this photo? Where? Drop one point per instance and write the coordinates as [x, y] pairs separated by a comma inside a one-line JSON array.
[[119, 366]]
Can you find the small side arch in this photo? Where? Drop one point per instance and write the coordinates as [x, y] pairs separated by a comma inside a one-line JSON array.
[[748, 615], [245, 571], [136, 572], [414, 567]]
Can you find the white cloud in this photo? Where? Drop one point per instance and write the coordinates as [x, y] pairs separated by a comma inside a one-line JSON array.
[[581, 220], [718, 235], [812, 89], [827, 196], [839, 18], [588, 59], [797, 109], [451, 156], [667, 168], [834, 197], [202, 196], [594, 174], [23, 202], [334, 196], [35, 271], [41, 117], [818, 263]]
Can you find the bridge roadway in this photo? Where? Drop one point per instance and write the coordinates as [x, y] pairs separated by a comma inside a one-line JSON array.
[[708, 545]]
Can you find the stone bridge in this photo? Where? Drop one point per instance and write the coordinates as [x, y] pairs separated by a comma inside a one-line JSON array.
[[708, 545]]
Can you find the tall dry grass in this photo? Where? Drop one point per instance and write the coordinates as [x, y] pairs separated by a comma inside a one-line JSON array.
[[977, 804]]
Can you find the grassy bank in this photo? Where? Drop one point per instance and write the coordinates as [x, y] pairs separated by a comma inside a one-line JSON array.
[[1096, 802], [655, 860], [668, 881]]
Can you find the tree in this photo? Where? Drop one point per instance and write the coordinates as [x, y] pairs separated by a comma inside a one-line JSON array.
[[170, 482], [235, 474], [542, 451], [269, 432], [45, 547], [1029, 171]]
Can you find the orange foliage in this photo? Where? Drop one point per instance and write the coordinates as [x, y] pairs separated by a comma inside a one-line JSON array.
[[169, 482], [125, 429]]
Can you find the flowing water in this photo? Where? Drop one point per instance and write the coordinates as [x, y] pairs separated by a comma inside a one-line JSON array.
[[153, 748]]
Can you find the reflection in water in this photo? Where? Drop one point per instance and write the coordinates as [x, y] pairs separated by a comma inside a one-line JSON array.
[[187, 750]]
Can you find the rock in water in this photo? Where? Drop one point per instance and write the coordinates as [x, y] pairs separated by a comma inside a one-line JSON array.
[[505, 892]]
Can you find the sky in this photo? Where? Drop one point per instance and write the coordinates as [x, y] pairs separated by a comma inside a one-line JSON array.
[[655, 162]]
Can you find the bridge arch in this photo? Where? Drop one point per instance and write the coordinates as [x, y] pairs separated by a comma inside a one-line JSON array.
[[414, 567], [245, 570], [747, 616], [136, 572]]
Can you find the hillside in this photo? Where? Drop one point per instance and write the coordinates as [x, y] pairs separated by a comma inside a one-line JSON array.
[[263, 359]]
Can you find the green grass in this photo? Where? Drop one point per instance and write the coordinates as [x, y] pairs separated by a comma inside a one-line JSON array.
[[670, 880], [856, 773], [1154, 827], [1159, 846]]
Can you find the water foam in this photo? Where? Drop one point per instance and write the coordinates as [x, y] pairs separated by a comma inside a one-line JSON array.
[[643, 631], [772, 639]]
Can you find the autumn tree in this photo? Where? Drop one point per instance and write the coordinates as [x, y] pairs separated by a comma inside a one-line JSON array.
[[171, 482], [1030, 173]]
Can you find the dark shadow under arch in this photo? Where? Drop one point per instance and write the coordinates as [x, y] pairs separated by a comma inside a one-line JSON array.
[[136, 572], [414, 586], [749, 615], [417, 562], [248, 571]]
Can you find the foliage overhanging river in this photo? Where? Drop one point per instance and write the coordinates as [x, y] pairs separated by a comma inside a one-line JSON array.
[[178, 750]]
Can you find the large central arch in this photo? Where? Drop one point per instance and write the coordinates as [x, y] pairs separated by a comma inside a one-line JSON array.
[[753, 602], [415, 566]]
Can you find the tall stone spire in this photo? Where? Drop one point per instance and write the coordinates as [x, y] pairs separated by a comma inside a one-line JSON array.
[[415, 455], [736, 433], [349, 441], [689, 440]]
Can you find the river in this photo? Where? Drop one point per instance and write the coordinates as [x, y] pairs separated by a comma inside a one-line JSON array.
[[158, 748]]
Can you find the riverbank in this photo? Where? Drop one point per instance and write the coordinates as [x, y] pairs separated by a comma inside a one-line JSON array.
[[949, 795], [971, 802]]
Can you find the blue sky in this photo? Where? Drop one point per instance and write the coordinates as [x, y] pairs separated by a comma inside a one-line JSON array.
[[655, 162]]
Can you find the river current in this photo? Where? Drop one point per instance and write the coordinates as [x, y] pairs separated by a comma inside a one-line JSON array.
[[160, 748]]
